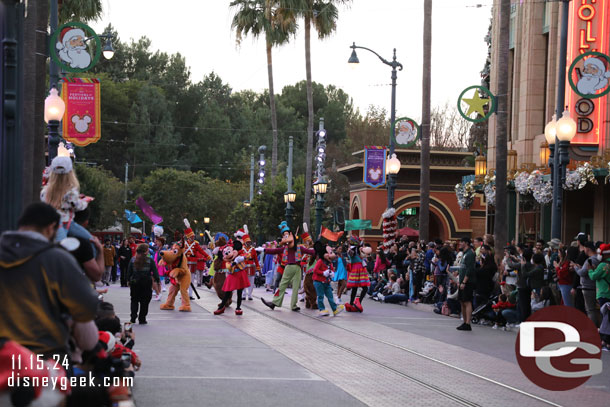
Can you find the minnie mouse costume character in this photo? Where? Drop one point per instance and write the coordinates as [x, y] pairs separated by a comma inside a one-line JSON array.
[[237, 277], [357, 275]]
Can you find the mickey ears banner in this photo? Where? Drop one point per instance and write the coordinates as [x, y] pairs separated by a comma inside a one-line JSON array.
[[374, 166], [477, 106]]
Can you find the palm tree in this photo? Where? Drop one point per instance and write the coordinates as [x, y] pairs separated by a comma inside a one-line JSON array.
[[277, 23], [501, 215], [424, 180], [323, 15], [79, 10]]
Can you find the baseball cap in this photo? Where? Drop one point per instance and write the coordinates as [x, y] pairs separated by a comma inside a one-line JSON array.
[[590, 246], [61, 165], [581, 237]]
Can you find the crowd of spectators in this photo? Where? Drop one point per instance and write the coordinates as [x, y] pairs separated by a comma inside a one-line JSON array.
[[474, 282]]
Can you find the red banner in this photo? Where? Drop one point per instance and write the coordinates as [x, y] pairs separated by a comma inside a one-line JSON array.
[[81, 122], [332, 236], [589, 30]]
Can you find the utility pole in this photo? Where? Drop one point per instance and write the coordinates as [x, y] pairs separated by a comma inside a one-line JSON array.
[[251, 177], [424, 179], [53, 125]]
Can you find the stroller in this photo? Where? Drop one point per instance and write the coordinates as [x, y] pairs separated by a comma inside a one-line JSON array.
[[427, 297], [484, 310]]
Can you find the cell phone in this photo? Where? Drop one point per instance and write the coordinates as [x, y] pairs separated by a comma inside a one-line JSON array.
[[127, 327], [126, 358]]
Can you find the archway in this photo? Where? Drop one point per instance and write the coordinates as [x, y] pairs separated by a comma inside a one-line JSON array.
[[441, 225], [355, 214]]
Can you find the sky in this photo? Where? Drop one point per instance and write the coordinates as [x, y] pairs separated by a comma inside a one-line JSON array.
[[201, 31]]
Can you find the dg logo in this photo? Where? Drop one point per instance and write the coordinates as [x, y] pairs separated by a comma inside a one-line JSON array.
[[558, 348]]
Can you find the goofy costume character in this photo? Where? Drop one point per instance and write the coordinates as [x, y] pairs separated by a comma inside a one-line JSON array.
[[292, 254]]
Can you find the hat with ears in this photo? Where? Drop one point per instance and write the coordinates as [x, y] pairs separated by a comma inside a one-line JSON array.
[[61, 165]]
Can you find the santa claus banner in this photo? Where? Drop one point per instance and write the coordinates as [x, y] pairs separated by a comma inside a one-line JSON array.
[[588, 49], [75, 47], [81, 122], [374, 166]]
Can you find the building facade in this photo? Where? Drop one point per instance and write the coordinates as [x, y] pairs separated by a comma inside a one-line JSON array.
[[533, 67], [447, 220]]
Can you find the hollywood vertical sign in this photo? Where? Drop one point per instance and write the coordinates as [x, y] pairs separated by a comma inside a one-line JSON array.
[[589, 23]]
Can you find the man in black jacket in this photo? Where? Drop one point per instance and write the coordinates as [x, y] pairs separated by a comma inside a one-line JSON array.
[[41, 285]]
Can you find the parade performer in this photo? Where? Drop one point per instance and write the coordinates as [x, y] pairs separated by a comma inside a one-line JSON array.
[[357, 275], [291, 258], [236, 276], [180, 276], [195, 255], [218, 279], [252, 265], [307, 264], [322, 275]]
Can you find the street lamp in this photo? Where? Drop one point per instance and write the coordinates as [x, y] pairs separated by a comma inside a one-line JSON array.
[[564, 130], [545, 152], [394, 64], [289, 197], [319, 188], [246, 204], [54, 108], [108, 49], [480, 168], [511, 163], [392, 167]]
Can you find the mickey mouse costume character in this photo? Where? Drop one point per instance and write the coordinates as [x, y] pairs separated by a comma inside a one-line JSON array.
[[237, 277], [292, 255], [322, 274]]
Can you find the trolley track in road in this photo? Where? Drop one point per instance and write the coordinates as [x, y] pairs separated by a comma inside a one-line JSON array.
[[454, 397]]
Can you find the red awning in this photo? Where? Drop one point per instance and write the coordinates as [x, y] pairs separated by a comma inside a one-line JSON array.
[[408, 232]]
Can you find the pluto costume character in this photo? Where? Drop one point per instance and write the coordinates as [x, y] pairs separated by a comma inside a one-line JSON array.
[[180, 277]]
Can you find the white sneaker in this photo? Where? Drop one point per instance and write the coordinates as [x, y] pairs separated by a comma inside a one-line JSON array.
[[338, 301], [496, 326], [163, 289], [381, 297]]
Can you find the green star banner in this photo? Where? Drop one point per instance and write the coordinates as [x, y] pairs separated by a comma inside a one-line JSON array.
[[358, 224]]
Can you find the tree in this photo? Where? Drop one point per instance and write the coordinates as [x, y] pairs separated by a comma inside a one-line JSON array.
[[323, 15], [277, 23], [448, 129], [424, 187], [79, 10], [107, 207], [501, 214]]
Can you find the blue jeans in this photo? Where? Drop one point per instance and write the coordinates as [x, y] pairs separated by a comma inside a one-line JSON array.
[[566, 295], [511, 316], [324, 289], [75, 230], [269, 277], [395, 298]]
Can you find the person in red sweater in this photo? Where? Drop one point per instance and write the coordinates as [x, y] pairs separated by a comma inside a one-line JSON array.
[[565, 277], [502, 304], [322, 274]]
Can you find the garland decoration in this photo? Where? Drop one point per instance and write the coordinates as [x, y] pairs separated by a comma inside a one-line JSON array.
[[522, 182], [490, 190], [541, 189], [465, 194], [579, 178]]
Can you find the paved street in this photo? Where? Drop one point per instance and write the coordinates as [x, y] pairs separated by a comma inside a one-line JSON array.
[[390, 355]]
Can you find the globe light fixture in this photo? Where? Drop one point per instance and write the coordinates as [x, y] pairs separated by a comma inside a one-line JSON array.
[[393, 165], [108, 49], [353, 59], [566, 127], [54, 106], [550, 131]]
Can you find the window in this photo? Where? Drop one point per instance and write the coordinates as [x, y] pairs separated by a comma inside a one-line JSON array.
[[546, 18], [513, 26]]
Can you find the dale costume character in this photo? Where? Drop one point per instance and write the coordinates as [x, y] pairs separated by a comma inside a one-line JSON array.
[[292, 254], [236, 276], [179, 276], [357, 275], [218, 279]]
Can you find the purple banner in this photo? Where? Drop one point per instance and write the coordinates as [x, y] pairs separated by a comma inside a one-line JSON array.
[[374, 166], [148, 211]]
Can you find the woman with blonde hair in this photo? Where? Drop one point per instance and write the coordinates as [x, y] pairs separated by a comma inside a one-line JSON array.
[[62, 191]]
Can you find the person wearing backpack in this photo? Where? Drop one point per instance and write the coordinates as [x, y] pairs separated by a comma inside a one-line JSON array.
[[141, 272], [601, 276]]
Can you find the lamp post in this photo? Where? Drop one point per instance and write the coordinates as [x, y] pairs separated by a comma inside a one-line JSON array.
[[251, 177], [319, 189], [480, 168], [394, 64], [54, 108], [559, 134], [289, 197], [392, 168], [261, 168]]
